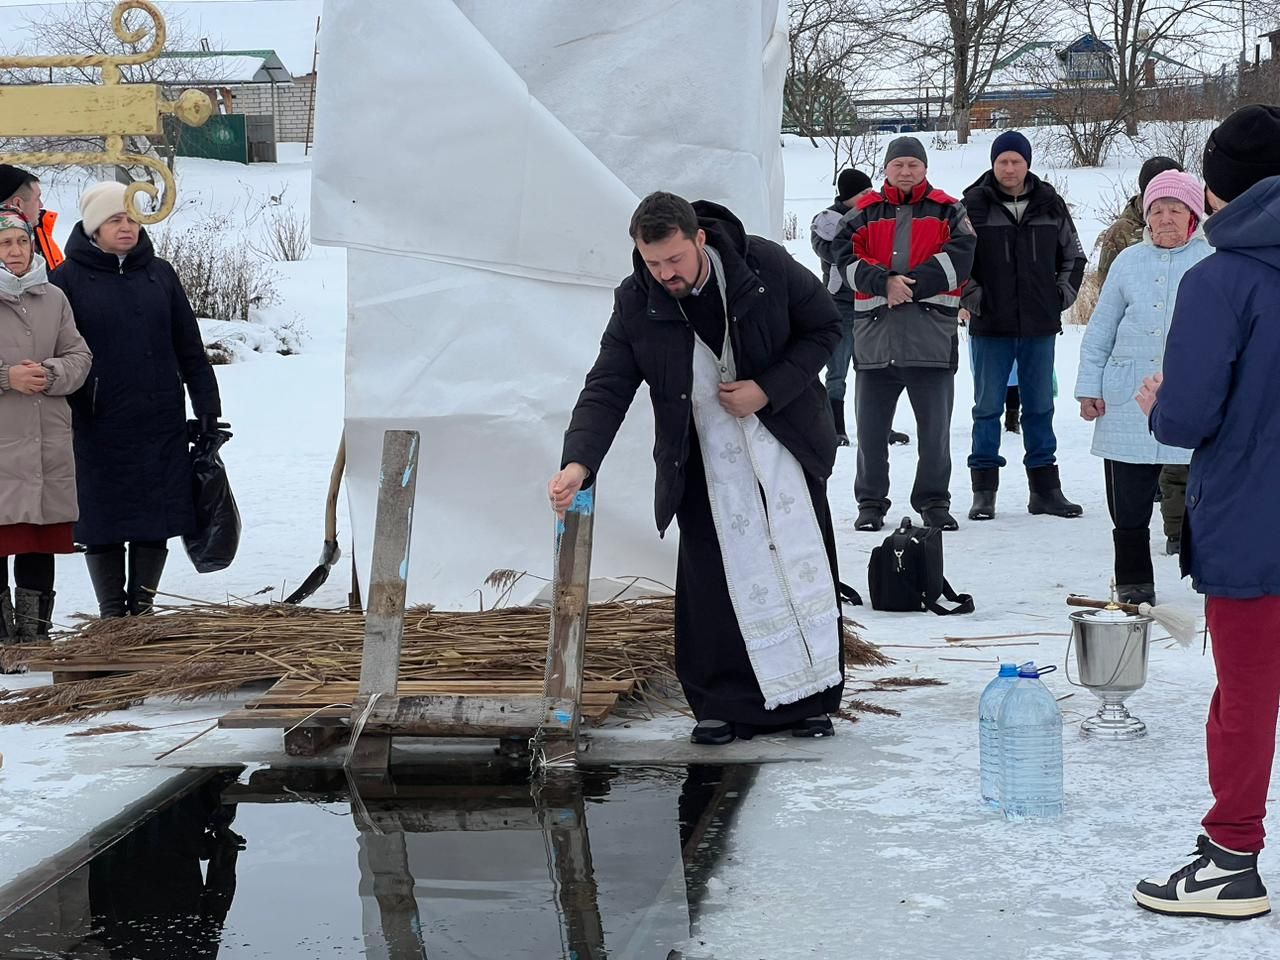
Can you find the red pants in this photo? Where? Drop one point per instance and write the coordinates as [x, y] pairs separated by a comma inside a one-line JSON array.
[[1241, 732]]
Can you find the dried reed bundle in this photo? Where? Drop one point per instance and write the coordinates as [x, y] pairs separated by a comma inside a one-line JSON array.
[[211, 650]]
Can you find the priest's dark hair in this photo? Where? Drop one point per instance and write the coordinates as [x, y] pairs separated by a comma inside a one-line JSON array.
[[660, 214]]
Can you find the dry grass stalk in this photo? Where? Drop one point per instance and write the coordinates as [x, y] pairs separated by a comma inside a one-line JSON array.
[[1086, 299], [212, 650], [108, 728]]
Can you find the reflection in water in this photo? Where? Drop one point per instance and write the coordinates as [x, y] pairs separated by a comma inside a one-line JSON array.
[[449, 863]]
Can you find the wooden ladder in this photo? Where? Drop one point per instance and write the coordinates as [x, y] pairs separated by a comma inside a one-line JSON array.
[[379, 712]]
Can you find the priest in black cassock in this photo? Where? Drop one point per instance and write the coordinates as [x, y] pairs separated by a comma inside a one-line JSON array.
[[729, 332]]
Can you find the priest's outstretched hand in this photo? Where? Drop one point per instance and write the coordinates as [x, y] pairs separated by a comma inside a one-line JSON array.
[[742, 398], [564, 486]]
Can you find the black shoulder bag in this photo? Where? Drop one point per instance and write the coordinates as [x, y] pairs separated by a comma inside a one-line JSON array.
[[905, 573]]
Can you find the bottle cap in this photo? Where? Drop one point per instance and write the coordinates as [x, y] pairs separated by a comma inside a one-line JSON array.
[[1008, 669]]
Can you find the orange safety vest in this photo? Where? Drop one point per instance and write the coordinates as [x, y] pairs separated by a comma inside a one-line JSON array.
[[44, 240]]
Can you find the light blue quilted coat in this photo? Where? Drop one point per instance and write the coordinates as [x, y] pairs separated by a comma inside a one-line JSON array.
[[1124, 343]]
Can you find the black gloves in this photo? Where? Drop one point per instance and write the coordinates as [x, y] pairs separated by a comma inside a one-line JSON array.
[[205, 425]]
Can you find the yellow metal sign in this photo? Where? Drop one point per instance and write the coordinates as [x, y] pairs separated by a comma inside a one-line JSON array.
[[112, 110]]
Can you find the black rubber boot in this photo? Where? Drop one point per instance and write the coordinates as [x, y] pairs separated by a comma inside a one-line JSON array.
[[106, 573], [7, 630], [985, 484], [1013, 410], [146, 565], [32, 614], [1046, 494], [897, 439], [837, 412]]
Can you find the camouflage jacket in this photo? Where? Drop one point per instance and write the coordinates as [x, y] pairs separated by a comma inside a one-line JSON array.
[[1124, 233]]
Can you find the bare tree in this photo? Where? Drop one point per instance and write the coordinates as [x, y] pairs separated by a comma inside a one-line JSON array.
[[85, 27], [1079, 107], [968, 39], [1139, 30], [829, 44]]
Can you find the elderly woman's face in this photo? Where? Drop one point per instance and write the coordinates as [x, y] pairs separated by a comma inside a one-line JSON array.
[[15, 250], [117, 235], [1170, 223]]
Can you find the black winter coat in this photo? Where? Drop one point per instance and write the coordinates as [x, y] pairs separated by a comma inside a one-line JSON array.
[[783, 326], [1025, 272], [133, 467]]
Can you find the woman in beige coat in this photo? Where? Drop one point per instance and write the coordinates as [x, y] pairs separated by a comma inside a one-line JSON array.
[[42, 359]]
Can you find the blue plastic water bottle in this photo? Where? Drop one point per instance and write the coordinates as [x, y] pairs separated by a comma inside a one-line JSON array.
[[989, 731], [1030, 731]]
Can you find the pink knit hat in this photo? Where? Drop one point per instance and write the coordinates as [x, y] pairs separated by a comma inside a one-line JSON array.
[[1175, 185]]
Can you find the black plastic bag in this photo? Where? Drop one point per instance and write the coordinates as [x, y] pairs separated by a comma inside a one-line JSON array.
[[213, 546]]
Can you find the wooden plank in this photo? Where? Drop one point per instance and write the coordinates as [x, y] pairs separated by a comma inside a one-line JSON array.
[[70, 676], [410, 687], [570, 607], [469, 716], [388, 575], [267, 701], [415, 820], [389, 570], [371, 754], [311, 741], [283, 717]]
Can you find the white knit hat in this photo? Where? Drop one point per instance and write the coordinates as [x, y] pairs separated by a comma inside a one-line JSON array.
[[100, 203]]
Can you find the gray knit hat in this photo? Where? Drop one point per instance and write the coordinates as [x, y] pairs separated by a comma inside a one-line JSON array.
[[905, 147]]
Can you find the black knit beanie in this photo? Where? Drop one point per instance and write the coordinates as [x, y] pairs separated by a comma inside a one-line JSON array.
[[905, 147], [1244, 149], [1154, 166], [850, 183]]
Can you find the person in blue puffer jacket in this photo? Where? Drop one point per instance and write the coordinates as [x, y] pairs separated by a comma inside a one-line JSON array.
[[1220, 396], [1123, 344]]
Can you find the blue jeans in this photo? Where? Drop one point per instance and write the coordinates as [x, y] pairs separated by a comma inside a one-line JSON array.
[[993, 359], [838, 365]]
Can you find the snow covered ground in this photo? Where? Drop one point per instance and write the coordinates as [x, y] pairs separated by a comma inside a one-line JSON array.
[[879, 847]]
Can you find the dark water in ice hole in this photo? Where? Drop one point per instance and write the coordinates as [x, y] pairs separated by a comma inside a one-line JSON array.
[[439, 863]]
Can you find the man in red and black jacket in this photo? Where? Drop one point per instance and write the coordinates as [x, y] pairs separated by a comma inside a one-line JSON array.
[[905, 251]]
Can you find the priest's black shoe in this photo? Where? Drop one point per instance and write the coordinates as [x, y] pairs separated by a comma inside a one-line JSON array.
[[1218, 883], [897, 439], [814, 727], [712, 733]]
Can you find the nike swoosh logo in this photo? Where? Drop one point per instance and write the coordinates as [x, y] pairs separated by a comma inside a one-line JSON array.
[[1192, 885]]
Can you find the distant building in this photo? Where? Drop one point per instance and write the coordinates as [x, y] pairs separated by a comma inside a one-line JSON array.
[[1025, 81], [250, 82]]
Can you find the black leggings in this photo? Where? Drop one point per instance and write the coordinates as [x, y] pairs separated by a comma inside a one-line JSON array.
[[33, 571]]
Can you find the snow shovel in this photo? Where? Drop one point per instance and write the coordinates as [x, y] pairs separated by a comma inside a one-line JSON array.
[[330, 552]]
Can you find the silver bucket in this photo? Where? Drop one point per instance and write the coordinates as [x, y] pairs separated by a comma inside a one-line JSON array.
[[1112, 649]]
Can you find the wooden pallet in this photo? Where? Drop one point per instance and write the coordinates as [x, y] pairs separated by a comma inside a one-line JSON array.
[[289, 703]]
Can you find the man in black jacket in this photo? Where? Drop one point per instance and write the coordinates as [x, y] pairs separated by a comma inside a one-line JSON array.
[[729, 332], [1026, 271]]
